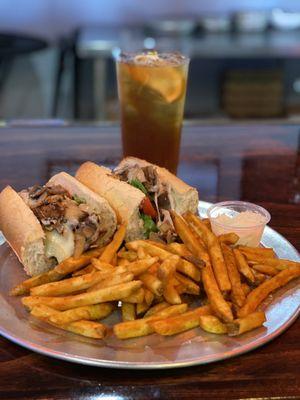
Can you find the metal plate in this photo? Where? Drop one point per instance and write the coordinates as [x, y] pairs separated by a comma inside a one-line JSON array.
[[152, 352]]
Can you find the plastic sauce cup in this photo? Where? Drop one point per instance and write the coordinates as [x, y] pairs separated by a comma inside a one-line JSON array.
[[249, 231]]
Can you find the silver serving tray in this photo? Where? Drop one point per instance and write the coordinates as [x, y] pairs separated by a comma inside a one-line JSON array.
[[193, 347]]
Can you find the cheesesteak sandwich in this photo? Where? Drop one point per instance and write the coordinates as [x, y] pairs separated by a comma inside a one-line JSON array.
[[142, 194], [44, 225]]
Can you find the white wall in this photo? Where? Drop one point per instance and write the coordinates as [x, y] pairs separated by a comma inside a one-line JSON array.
[[50, 18]]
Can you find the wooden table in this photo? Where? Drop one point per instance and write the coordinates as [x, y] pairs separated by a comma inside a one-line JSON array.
[[258, 163]]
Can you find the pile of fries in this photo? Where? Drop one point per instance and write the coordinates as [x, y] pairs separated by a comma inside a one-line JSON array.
[[154, 285]]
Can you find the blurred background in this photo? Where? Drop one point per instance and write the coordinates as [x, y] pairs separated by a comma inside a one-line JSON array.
[[56, 56]]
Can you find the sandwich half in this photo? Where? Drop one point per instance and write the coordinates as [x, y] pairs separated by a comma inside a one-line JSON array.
[[142, 195], [46, 224]]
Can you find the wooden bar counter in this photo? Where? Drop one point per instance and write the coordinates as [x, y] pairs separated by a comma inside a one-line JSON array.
[[257, 163]]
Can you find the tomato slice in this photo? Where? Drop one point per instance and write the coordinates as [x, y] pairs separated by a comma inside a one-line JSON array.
[[148, 208]]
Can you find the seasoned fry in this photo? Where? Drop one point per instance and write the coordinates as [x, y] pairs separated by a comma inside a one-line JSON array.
[[153, 250], [149, 297], [246, 289], [102, 265], [122, 262], [206, 221], [237, 293], [243, 266], [260, 251], [141, 254], [152, 283], [217, 302], [278, 263], [128, 311], [167, 268], [141, 308], [212, 324], [86, 270], [189, 269], [93, 312], [90, 329], [261, 292], [112, 280], [180, 249], [127, 255], [242, 325], [180, 323], [214, 249], [265, 269], [157, 308], [141, 266], [59, 272], [259, 277], [190, 287], [142, 327], [137, 296], [228, 238], [112, 293], [68, 286], [170, 293], [112, 248]]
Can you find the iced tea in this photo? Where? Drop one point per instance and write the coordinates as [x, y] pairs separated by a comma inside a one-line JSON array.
[[152, 90]]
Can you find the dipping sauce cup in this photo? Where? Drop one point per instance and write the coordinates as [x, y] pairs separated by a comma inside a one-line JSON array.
[[247, 220]]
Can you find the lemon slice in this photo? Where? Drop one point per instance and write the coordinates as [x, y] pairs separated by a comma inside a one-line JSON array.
[[167, 81]]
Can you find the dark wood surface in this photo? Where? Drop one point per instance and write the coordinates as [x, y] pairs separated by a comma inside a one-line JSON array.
[[258, 163]]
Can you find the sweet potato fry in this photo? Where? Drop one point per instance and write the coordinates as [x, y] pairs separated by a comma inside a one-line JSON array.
[[220, 307], [257, 295], [228, 238], [59, 272], [112, 248], [215, 253], [128, 311], [180, 323], [93, 312], [112, 293], [237, 294], [68, 286], [212, 324], [243, 266], [241, 325]]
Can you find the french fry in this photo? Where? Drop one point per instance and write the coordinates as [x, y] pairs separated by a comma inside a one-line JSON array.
[[153, 250], [190, 287], [152, 283], [265, 269], [156, 309], [68, 286], [86, 270], [243, 266], [102, 265], [257, 295], [189, 269], [259, 277], [246, 289], [215, 253], [122, 262], [188, 238], [228, 238], [212, 324], [136, 297], [217, 302], [111, 293], [180, 323], [90, 329], [181, 250], [141, 308], [278, 263], [206, 222], [112, 248], [128, 311], [112, 280], [127, 255], [260, 251], [114, 261], [237, 293], [149, 297], [170, 293], [141, 254], [242, 325], [142, 327], [59, 272], [141, 266], [167, 268], [93, 312]]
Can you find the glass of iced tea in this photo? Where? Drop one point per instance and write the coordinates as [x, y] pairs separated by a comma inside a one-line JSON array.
[[152, 90]]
